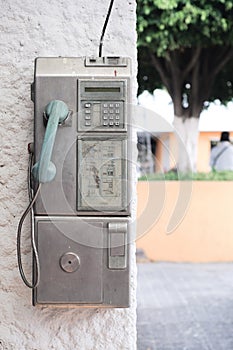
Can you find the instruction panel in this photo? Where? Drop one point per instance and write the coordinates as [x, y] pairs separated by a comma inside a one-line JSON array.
[[102, 174]]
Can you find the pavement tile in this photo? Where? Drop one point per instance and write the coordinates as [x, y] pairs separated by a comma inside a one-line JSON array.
[[185, 306]]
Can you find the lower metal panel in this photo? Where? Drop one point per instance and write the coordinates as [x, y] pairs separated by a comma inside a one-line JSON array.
[[74, 262]]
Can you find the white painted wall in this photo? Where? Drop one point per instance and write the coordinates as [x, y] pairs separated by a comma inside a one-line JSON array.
[[29, 29]]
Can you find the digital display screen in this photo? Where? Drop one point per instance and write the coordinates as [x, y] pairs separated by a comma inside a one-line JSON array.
[[102, 89]]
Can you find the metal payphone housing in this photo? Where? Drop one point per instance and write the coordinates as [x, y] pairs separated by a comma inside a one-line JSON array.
[[82, 218]]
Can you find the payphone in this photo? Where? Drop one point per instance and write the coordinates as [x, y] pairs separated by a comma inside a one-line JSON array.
[[82, 165]]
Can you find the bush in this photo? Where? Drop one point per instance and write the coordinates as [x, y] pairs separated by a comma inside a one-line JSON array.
[[173, 176]]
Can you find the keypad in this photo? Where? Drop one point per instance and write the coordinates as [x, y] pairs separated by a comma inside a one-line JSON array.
[[112, 114], [98, 114]]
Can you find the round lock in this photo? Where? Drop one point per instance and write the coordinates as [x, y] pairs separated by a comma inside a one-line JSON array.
[[69, 262]]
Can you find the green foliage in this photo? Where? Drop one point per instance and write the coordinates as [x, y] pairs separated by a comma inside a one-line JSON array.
[[186, 46], [172, 176], [177, 24]]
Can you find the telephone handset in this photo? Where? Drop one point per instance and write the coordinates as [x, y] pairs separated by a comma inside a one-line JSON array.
[[45, 170]]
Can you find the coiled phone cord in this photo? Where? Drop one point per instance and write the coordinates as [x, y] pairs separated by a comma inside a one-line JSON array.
[[32, 199]]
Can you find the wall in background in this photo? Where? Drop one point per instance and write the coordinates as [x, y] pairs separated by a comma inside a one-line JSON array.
[[204, 233]]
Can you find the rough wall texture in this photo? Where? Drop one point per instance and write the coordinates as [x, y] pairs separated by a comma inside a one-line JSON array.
[[49, 28]]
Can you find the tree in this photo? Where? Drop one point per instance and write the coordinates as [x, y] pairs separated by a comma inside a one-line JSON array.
[[187, 47]]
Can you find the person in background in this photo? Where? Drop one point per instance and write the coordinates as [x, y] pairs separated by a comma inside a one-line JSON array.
[[221, 157]]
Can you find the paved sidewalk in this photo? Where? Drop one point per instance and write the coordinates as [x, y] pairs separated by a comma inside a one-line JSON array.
[[185, 306]]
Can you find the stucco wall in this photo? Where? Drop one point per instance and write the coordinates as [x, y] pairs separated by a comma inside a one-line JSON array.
[[49, 28]]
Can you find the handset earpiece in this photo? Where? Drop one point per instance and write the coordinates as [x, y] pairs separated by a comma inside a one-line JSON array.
[[45, 170]]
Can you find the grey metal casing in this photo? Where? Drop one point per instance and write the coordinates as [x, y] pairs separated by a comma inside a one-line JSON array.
[[83, 243]]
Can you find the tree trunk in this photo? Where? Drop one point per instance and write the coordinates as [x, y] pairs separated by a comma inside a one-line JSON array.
[[186, 130]]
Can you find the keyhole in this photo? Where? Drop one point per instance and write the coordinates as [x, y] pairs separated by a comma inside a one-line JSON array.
[[69, 262]]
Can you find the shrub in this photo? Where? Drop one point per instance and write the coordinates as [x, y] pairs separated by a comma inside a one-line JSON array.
[[173, 176]]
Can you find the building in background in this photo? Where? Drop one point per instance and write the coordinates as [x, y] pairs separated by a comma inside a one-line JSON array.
[[157, 148]]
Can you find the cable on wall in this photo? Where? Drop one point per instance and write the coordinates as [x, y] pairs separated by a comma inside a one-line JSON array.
[[104, 27]]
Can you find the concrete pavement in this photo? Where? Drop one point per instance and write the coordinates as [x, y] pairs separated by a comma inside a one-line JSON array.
[[185, 306]]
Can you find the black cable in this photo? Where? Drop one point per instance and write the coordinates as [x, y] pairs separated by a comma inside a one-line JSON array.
[[104, 27], [19, 255]]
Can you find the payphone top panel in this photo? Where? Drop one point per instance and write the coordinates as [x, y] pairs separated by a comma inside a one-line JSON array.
[[83, 66], [97, 94]]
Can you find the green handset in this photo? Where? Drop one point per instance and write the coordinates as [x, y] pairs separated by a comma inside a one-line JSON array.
[[45, 170]]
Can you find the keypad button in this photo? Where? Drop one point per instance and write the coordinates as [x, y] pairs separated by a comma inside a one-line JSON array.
[[105, 117], [87, 105], [117, 117], [88, 111], [111, 117], [117, 105], [117, 123], [117, 111], [87, 123], [105, 111], [105, 105], [105, 123], [111, 123], [111, 111], [111, 105], [87, 117]]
